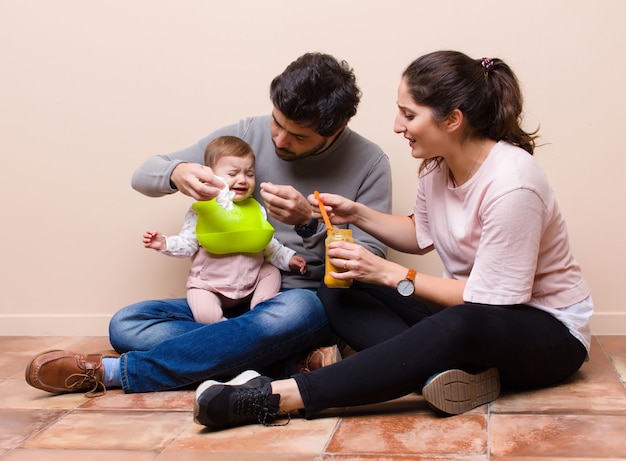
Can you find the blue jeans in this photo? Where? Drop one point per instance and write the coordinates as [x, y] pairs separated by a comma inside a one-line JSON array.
[[163, 348]]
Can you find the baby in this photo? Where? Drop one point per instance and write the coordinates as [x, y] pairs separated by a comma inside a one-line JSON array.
[[235, 259]]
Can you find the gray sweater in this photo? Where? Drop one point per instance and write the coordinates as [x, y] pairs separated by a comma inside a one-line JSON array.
[[352, 167]]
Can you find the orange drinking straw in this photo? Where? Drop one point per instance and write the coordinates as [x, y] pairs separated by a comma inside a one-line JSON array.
[[323, 210]]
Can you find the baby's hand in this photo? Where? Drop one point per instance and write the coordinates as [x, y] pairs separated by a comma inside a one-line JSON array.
[[154, 239], [297, 263]]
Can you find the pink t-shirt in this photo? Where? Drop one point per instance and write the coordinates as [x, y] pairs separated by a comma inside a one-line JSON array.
[[502, 232]]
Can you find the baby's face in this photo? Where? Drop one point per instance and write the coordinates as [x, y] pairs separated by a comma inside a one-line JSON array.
[[238, 173]]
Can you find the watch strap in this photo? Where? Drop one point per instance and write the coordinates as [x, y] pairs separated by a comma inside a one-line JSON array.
[[306, 230]]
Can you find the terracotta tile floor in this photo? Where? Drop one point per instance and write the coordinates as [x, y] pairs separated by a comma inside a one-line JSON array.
[[582, 419]]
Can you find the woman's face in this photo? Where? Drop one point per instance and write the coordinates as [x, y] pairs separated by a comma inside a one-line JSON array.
[[416, 123]]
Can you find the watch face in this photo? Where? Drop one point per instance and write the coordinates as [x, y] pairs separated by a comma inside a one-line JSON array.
[[406, 287]]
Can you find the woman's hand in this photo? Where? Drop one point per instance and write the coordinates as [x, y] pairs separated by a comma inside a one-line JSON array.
[[397, 232], [362, 265], [285, 204], [196, 181], [340, 209]]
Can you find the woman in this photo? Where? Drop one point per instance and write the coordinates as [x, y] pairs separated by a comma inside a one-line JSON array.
[[511, 309]]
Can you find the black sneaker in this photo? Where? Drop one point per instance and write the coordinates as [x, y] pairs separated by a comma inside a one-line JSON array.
[[455, 391], [245, 399]]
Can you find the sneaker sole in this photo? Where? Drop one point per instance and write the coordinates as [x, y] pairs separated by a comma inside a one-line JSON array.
[[241, 378], [455, 391]]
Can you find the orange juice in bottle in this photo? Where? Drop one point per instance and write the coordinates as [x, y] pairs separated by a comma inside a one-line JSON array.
[[336, 235]]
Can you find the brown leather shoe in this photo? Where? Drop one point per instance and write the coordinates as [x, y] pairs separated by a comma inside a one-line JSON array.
[[318, 358], [62, 372]]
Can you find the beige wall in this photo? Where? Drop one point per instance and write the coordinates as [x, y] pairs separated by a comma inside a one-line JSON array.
[[90, 89]]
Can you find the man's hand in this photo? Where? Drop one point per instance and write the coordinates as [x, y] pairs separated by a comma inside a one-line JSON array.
[[196, 181], [286, 204]]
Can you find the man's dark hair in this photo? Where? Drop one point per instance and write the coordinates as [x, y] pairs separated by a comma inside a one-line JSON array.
[[317, 91]]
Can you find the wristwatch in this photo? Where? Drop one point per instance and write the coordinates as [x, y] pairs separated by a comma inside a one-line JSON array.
[[306, 230], [406, 286]]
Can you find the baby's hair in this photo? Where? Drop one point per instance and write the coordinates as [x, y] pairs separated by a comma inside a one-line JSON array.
[[226, 146]]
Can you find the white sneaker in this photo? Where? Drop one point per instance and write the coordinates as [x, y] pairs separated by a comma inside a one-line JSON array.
[[241, 378]]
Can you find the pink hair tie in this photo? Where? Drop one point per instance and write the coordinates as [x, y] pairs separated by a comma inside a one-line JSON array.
[[487, 64]]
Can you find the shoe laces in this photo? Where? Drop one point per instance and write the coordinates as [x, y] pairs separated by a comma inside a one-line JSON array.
[[252, 403], [79, 381], [304, 365]]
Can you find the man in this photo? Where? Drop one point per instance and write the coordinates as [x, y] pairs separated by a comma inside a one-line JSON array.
[[304, 145]]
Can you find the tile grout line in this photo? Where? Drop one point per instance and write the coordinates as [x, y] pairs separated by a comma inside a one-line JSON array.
[[330, 437], [610, 359]]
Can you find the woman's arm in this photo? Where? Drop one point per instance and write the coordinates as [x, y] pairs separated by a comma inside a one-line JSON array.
[[397, 232], [366, 267]]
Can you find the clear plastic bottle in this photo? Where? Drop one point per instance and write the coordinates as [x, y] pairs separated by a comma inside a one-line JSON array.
[[336, 235]]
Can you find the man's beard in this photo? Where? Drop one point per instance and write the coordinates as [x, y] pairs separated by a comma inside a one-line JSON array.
[[287, 155]]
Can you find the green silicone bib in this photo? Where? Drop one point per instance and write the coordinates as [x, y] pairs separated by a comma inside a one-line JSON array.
[[240, 230]]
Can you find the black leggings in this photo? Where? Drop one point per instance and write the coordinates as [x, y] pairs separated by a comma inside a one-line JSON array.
[[402, 342]]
